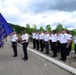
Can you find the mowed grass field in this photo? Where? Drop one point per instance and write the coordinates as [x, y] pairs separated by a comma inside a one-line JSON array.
[[73, 47]]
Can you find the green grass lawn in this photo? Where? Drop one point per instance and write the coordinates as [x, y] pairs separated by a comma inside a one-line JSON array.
[[72, 46]]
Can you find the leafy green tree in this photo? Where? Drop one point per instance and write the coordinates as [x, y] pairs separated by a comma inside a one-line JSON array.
[[48, 28], [34, 28], [73, 32], [28, 29], [59, 27], [41, 28]]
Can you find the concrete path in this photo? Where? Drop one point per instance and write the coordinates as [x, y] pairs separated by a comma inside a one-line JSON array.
[[34, 66]]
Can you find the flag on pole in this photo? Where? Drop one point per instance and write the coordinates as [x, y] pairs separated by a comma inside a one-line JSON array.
[[5, 29]]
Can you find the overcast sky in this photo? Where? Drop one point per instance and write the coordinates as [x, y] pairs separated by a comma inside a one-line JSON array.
[[40, 12]]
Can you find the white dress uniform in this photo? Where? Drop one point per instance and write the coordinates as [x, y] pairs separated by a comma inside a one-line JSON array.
[[58, 43], [41, 37], [34, 40], [37, 41], [69, 48], [46, 40], [50, 39], [74, 39], [14, 38], [63, 44], [54, 42], [14, 44], [25, 38]]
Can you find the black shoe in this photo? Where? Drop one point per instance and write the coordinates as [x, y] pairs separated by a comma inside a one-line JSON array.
[[25, 59], [41, 51], [14, 55], [60, 59], [54, 56], [34, 48], [63, 60]]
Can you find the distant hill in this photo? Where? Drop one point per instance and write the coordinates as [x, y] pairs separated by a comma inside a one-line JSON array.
[[17, 28]]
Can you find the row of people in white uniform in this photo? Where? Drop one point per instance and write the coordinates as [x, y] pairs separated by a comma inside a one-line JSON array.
[[58, 42], [22, 38]]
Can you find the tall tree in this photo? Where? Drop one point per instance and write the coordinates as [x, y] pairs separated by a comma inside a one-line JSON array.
[[48, 28], [59, 27], [28, 29], [41, 28], [35, 27]]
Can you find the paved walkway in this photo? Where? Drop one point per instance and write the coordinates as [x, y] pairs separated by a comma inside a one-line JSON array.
[[34, 66]]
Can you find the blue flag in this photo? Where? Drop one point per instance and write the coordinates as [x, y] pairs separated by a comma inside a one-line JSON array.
[[5, 29]]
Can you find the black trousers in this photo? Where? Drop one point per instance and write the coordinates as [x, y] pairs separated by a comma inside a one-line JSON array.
[[34, 43], [69, 49], [41, 45], [47, 47], [37, 44], [75, 48], [14, 46], [54, 48], [58, 47], [51, 45], [25, 50], [63, 51]]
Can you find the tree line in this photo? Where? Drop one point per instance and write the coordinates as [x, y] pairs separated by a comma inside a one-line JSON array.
[[59, 27]]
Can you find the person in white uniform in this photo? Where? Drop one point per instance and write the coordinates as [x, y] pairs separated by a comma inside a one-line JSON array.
[[14, 43], [24, 39], [37, 40], [54, 43], [64, 44], [46, 42], [34, 39], [74, 40], [41, 37]]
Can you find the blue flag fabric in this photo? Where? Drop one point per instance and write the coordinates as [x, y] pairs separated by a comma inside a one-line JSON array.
[[5, 29]]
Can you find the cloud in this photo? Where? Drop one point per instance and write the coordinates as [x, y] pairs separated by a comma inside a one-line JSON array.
[[40, 12], [44, 5]]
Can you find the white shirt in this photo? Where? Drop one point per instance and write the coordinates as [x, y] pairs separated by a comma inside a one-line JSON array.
[[37, 36], [50, 37], [41, 36], [14, 38], [58, 37], [25, 37], [46, 37], [33, 35], [63, 38], [69, 36], [74, 39], [54, 37]]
